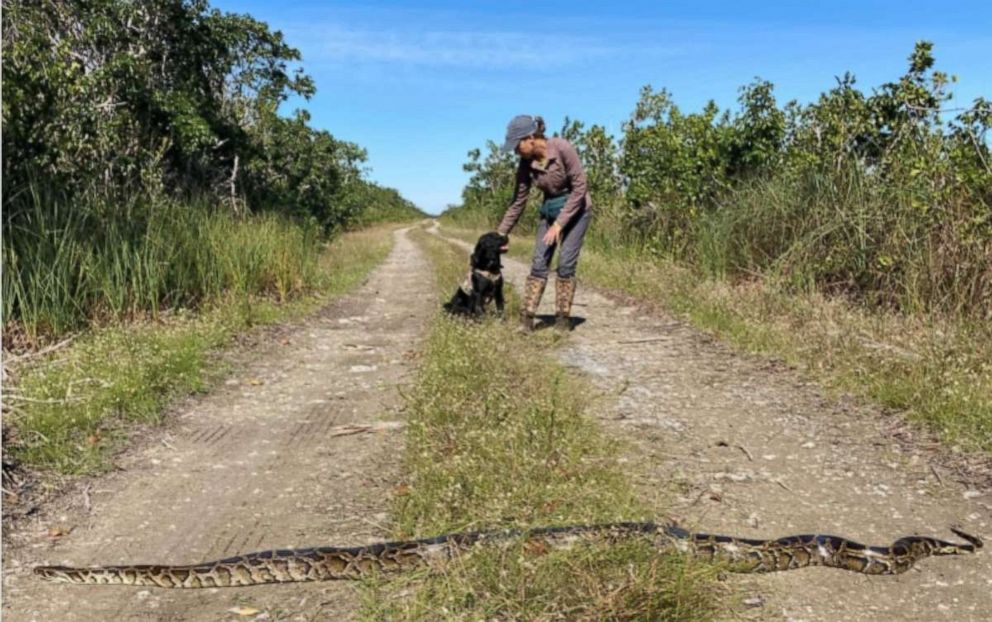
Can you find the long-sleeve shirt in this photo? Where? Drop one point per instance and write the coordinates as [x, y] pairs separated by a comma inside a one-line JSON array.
[[560, 172]]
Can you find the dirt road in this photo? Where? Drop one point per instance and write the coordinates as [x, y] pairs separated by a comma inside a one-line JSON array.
[[726, 443], [744, 447], [261, 463]]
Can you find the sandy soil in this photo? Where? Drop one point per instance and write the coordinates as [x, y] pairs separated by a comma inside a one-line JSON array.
[[258, 464], [734, 444]]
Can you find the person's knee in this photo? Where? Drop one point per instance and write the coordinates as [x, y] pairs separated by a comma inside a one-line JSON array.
[[540, 266], [567, 264]]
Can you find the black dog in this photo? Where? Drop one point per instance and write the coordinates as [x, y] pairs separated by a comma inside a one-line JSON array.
[[485, 281]]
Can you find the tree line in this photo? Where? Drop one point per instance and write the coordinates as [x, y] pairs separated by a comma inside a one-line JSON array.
[[111, 96], [119, 117]]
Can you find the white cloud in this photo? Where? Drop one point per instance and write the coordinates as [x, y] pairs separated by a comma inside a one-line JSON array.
[[462, 49]]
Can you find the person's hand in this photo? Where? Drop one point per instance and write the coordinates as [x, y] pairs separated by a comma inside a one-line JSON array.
[[554, 231]]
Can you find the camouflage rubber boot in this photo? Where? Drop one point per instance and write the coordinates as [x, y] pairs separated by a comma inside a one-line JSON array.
[[533, 290], [564, 293]]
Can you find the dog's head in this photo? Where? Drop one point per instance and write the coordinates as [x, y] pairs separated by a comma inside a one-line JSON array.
[[487, 251]]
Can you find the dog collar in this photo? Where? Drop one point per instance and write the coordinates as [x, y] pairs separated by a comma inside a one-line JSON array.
[[492, 276]]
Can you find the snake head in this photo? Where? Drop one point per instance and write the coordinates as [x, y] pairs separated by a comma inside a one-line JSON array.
[[975, 542]]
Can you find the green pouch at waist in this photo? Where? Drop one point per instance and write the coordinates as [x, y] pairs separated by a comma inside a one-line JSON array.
[[552, 206]]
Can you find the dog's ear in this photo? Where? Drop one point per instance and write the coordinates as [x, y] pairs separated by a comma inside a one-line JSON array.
[[479, 253]]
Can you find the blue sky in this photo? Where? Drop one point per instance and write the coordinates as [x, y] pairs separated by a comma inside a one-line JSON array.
[[420, 83]]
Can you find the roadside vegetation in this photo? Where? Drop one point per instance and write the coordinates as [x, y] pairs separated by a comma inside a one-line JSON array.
[[69, 410], [497, 437], [143, 149], [933, 369], [155, 203], [851, 235]]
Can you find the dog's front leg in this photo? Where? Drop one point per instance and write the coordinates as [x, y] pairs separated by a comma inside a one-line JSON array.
[[499, 300], [478, 300]]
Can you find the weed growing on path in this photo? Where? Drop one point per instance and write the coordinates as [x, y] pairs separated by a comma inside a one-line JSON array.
[[497, 437]]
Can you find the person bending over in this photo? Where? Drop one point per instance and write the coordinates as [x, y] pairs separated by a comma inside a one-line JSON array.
[[553, 166]]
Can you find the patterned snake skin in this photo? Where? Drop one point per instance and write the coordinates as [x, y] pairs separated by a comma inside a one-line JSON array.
[[324, 563]]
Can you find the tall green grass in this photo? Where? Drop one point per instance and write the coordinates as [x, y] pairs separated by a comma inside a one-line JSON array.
[[841, 233], [852, 234], [70, 266]]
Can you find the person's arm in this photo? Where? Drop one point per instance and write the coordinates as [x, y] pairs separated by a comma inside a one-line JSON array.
[[576, 174], [521, 189]]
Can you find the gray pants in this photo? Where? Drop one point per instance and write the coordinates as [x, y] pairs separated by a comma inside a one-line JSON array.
[[571, 244]]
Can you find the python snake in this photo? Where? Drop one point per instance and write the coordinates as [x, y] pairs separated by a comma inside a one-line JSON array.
[[325, 563]]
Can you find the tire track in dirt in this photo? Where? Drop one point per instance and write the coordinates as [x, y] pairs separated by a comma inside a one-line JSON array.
[[255, 465], [735, 444]]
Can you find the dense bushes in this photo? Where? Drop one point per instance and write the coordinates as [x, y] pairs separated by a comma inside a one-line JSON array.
[[874, 195], [166, 95]]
